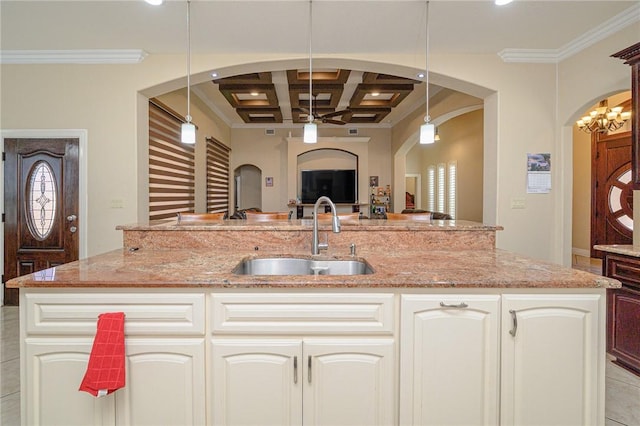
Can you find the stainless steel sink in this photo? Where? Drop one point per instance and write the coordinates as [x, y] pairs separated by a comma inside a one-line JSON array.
[[301, 266]]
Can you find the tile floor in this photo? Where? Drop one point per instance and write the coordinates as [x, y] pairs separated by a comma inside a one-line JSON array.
[[622, 387]]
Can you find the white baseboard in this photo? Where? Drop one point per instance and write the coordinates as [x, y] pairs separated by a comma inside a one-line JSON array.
[[580, 252]]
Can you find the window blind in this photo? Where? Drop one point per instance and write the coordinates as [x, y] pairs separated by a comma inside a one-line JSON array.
[[217, 176], [440, 199], [171, 165], [451, 188], [431, 188]]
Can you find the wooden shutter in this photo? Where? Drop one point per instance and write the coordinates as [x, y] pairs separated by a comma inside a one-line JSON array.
[[217, 176], [171, 165]]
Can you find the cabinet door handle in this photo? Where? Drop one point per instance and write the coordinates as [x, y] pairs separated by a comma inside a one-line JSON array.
[[514, 319], [309, 369], [295, 369], [460, 305]]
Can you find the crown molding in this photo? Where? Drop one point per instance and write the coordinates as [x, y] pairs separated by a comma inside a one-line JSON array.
[[594, 35], [97, 56]]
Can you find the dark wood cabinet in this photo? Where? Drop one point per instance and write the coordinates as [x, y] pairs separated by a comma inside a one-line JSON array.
[[623, 310]]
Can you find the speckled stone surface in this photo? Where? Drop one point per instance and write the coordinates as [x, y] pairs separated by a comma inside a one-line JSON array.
[[628, 250], [371, 235], [184, 268]]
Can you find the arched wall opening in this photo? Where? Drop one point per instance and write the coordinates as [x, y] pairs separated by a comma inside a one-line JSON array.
[[398, 148]]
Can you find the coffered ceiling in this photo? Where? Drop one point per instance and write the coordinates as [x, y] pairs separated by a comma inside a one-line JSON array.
[[339, 96]]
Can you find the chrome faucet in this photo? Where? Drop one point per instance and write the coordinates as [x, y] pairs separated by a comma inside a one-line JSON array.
[[316, 246]]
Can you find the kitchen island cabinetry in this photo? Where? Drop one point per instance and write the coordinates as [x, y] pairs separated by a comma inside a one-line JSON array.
[[346, 381], [203, 341], [449, 359], [552, 359], [165, 359], [329, 359]]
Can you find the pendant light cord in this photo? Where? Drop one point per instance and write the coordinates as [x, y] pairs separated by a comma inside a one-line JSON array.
[[188, 117], [427, 118], [310, 118]]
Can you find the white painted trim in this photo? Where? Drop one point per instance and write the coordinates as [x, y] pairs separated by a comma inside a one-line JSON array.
[[93, 56], [83, 217], [596, 34]]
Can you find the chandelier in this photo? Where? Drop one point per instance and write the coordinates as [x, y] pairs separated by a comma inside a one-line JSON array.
[[603, 120]]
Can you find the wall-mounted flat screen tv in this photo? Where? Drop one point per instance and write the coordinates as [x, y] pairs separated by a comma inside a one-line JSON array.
[[339, 185]]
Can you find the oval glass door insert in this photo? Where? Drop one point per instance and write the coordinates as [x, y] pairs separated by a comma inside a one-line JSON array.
[[42, 200]]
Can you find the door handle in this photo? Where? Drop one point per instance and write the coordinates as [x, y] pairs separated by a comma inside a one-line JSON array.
[[514, 318], [295, 370], [309, 369], [460, 305]]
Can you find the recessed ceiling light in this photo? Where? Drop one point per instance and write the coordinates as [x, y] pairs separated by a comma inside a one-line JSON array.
[[502, 2], [214, 74], [254, 93], [420, 75], [155, 2], [375, 93]]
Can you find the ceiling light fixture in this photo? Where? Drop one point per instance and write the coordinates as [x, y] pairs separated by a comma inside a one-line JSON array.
[[502, 2], [427, 130], [155, 2], [311, 128], [437, 136], [603, 120], [188, 130]]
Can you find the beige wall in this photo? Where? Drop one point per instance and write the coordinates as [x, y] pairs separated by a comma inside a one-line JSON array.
[[105, 100], [460, 141]]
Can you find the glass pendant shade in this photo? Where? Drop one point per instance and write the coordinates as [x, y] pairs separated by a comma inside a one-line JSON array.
[[310, 133], [188, 133], [427, 133]]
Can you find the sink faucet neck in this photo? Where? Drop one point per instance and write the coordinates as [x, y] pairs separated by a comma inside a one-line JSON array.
[[335, 224]]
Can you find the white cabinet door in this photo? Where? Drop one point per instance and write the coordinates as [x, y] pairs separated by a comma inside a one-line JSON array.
[[53, 375], [256, 382], [165, 383], [550, 360], [349, 382], [449, 359]]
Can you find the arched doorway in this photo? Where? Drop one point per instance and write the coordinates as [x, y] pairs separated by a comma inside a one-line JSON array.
[[248, 187]]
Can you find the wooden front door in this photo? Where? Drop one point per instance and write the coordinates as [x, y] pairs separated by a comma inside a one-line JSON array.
[[41, 206], [612, 193]]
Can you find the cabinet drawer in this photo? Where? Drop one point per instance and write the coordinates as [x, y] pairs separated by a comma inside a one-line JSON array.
[[625, 269], [303, 313], [145, 313]]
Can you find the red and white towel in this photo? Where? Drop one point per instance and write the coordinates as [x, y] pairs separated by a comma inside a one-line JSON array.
[[106, 369]]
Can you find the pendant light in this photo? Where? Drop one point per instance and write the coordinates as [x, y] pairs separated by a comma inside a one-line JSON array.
[[188, 130], [311, 128], [427, 130]]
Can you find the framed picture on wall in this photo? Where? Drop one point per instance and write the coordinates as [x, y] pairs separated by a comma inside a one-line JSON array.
[[373, 180], [268, 181]]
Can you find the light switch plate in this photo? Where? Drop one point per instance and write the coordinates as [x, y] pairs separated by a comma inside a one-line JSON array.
[[518, 203]]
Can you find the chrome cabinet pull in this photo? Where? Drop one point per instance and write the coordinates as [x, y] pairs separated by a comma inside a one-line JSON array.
[[460, 305], [309, 369], [514, 318], [295, 369], [71, 217]]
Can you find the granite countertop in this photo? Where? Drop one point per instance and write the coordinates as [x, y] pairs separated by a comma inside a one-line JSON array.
[[201, 268], [626, 249], [306, 224]]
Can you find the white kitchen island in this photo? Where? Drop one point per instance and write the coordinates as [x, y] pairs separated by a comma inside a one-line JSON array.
[[458, 335]]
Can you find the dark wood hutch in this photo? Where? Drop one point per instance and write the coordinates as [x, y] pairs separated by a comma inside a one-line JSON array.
[[623, 305]]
